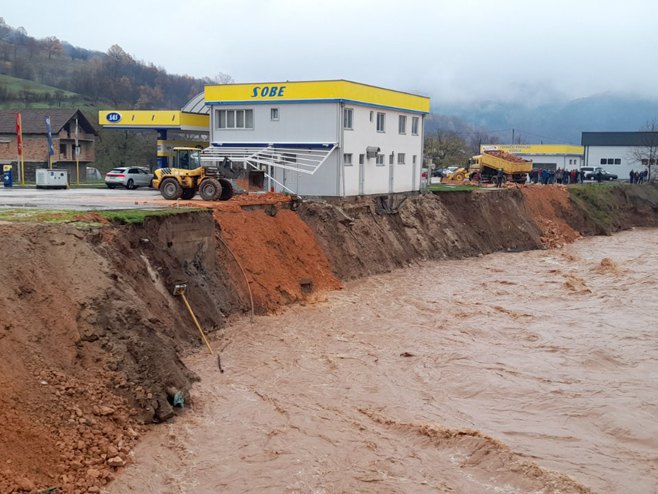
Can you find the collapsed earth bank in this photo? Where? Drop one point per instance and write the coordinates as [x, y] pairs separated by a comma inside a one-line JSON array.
[[90, 333]]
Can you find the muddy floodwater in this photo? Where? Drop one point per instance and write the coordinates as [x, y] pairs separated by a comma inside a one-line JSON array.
[[514, 372]]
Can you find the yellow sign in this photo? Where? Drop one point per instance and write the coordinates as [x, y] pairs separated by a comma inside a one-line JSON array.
[[6, 168], [150, 119], [534, 148], [315, 91]]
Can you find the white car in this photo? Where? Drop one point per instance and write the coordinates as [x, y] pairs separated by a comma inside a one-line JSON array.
[[128, 177]]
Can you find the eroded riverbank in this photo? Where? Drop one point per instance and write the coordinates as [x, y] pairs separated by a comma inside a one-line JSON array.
[[527, 372]]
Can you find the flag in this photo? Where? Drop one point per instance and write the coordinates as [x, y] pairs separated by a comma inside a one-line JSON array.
[[77, 146], [51, 150], [19, 134]]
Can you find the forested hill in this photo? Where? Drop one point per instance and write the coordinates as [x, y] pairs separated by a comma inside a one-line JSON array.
[[114, 78]]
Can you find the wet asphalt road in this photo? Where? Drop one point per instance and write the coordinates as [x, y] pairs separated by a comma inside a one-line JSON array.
[[79, 199]]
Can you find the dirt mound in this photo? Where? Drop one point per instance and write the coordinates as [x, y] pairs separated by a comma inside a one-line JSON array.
[[234, 204], [549, 205], [90, 339], [506, 156], [61, 417], [280, 254], [361, 240]]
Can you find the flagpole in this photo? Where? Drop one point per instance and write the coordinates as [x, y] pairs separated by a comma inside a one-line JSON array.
[[77, 153], [19, 145], [51, 150]]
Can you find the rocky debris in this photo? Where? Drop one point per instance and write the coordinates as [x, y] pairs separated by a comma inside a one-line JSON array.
[[116, 461], [506, 156]]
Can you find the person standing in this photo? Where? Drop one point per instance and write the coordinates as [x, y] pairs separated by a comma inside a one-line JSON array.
[[499, 178]]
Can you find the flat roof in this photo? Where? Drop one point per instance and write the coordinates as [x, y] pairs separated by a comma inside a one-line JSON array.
[[534, 148], [640, 139], [329, 91], [153, 119]]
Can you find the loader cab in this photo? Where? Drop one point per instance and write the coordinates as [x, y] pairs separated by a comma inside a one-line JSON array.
[[186, 158]]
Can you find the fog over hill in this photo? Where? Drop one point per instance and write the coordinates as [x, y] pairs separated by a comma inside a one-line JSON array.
[[525, 112], [557, 121]]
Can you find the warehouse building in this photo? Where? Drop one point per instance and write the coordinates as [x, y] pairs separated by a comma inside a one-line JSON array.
[[322, 138], [620, 152], [543, 156]]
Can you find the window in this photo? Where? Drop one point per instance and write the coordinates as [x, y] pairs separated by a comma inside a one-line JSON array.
[[414, 125], [391, 158], [400, 158], [235, 119], [362, 159], [348, 114], [617, 161], [603, 161], [371, 113], [381, 121], [347, 159], [274, 114], [402, 124], [413, 159], [380, 160]]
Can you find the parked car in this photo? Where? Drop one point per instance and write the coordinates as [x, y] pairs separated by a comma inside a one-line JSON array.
[[129, 177], [605, 176]]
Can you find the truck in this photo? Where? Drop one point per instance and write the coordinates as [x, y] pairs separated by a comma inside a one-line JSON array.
[[189, 175], [488, 163]]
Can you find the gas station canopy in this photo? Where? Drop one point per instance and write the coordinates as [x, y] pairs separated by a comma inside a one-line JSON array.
[[154, 120]]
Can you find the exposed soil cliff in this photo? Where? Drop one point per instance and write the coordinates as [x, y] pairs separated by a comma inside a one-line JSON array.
[[90, 333]]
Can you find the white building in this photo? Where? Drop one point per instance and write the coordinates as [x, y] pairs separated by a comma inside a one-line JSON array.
[[543, 156], [620, 152], [323, 138]]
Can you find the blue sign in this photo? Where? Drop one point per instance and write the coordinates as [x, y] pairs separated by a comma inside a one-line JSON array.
[[113, 117]]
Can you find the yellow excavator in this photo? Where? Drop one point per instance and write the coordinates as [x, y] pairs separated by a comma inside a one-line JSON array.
[[189, 175]]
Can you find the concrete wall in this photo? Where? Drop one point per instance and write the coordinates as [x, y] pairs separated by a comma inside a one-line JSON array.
[[594, 155], [309, 122], [565, 161], [378, 179]]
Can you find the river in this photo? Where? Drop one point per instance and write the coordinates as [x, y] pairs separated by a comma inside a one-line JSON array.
[[512, 372]]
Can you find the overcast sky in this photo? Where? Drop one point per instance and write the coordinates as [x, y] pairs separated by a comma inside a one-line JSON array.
[[457, 50]]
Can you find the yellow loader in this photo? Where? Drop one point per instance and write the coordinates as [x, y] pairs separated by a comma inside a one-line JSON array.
[[188, 176]]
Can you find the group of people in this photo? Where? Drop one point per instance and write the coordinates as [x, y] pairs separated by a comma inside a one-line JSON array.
[[639, 177], [559, 176]]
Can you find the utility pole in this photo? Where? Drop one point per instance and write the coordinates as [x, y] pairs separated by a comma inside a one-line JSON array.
[[512, 136]]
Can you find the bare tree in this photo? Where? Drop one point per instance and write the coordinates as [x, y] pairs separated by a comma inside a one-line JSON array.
[[446, 149], [53, 46], [220, 78], [646, 153]]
